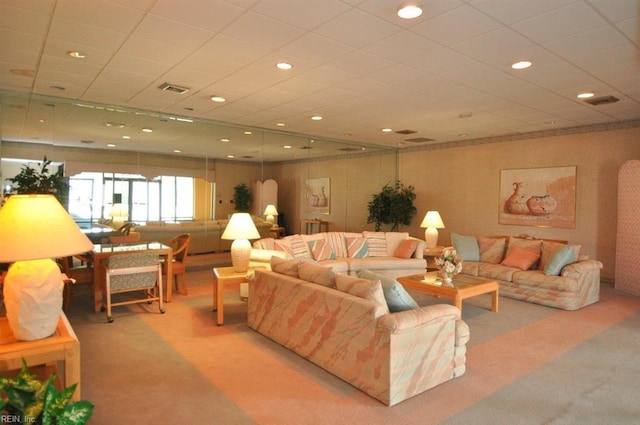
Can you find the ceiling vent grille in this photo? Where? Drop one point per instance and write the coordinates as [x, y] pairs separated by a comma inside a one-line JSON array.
[[348, 149], [406, 131], [419, 140], [602, 100], [173, 88]]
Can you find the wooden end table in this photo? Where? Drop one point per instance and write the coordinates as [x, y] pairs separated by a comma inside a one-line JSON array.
[[462, 287], [226, 275]]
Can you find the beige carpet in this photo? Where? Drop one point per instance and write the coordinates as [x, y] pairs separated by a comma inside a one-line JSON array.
[[528, 364]]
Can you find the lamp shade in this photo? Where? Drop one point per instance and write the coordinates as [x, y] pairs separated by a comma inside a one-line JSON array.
[[33, 227], [240, 226], [270, 210], [432, 219]]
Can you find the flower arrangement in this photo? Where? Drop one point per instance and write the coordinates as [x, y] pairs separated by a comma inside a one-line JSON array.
[[449, 263]]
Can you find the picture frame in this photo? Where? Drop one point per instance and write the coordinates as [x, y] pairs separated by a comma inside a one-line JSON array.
[[317, 195], [543, 197]]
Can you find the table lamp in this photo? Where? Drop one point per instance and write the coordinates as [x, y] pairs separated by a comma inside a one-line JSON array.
[[119, 214], [33, 230], [432, 222], [240, 229], [271, 212]]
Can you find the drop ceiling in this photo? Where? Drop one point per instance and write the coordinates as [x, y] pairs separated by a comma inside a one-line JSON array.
[[445, 76]]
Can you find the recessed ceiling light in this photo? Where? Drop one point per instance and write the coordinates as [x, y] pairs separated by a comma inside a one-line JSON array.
[[248, 132], [218, 99], [586, 95], [114, 124], [521, 65], [77, 55], [284, 66], [177, 151], [126, 137], [316, 117], [387, 130], [111, 145], [147, 130], [230, 156], [224, 140], [280, 124], [287, 146], [409, 10]]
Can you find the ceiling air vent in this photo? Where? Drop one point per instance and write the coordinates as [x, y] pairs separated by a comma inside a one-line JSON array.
[[406, 131], [173, 88], [602, 100], [419, 140], [348, 149]]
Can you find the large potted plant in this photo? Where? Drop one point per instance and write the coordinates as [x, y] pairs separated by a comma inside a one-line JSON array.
[[26, 399], [32, 180], [242, 197], [393, 205]]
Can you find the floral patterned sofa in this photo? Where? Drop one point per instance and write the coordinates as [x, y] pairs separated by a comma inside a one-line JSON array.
[[343, 324], [540, 271]]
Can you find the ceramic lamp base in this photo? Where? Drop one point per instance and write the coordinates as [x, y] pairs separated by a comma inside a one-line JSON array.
[[240, 255], [33, 298]]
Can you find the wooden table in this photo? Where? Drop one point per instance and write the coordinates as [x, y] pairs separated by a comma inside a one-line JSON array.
[[62, 346], [104, 251], [223, 276], [462, 287], [430, 254], [306, 226]]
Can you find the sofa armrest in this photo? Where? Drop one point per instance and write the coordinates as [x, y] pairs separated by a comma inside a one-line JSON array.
[[406, 320], [419, 252], [574, 270]]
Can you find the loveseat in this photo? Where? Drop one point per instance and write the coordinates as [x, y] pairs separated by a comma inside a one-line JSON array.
[[343, 324], [205, 234], [391, 253], [541, 271]]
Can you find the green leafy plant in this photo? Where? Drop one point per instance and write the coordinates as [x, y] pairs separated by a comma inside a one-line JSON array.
[[393, 205], [242, 197], [32, 180], [28, 400]]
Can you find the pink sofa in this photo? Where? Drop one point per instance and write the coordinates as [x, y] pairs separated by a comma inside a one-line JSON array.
[[390, 356]]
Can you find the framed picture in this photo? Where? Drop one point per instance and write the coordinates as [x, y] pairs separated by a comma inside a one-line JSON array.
[[538, 197], [317, 195]]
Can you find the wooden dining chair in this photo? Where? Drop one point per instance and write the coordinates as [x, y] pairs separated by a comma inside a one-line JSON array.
[[133, 272], [130, 238], [78, 274], [180, 246]]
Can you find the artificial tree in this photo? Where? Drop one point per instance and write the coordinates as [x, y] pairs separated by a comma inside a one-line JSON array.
[[393, 205], [242, 198], [31, 180]]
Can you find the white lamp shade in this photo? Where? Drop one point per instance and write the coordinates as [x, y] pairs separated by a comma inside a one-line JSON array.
[[270, 210], [33, 227], [432, 219], [240, 226]]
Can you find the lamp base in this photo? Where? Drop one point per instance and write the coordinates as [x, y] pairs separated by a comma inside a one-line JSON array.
[[33, 298], [240, 255], [431, 237]]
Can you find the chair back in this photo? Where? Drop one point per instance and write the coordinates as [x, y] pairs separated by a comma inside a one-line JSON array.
[[180, 246], [125, 229], [134, 270]]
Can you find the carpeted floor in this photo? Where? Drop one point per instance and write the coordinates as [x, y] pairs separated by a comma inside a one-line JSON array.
[[527, 364]]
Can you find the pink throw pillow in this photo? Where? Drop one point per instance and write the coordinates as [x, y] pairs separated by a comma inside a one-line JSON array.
[[406, 248], [521, 258]]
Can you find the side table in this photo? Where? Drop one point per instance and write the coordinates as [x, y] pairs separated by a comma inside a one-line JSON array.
[[62, 346], [226, 275], [430, 254]]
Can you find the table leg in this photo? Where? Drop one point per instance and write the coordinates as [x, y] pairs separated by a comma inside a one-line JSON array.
[[98, 283], [169, 263], [494, 301], [457, 301]]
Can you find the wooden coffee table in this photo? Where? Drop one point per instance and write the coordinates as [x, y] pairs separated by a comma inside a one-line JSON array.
[[462, 287]]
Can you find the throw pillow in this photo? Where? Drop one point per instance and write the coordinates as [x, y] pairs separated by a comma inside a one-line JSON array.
[[361, 288], [321, 250], [406, 248], [317, 274], [336, 242], [562, 257], [466, 247], [521, 258], [266, 243], [293, 245], [356, 247], [491, 249], [533, 245], [548, 249], [397, 298], [288, 267], [377, 242]]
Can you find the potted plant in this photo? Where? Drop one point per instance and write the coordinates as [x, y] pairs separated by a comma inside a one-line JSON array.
[[242, 197], [26, 399], [393, 205], [31, 180]]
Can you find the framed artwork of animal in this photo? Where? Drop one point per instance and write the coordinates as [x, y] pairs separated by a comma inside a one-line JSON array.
[[317, 195]]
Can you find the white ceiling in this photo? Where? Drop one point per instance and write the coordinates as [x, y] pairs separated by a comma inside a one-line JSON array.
[[355, 63]]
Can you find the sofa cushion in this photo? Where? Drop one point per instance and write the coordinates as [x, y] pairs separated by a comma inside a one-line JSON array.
[[293, 245], [548, 248], [266, 243], [336, 241], [321, 250], [377, 242], [394, 239], [491, 249], [312, 272], [282, 266], [562, 257], [357, 247], [397, 298], [387, 263], [406, 248], [362, 288], [521, 258], [466, 247]]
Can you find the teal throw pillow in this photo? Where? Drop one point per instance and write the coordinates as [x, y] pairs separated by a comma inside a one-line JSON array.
[[398, 299], [466, 247], [562, 257]]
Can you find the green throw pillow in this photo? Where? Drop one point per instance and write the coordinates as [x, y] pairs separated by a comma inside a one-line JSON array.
[[466, 247], [398, 299], [562, 257]]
